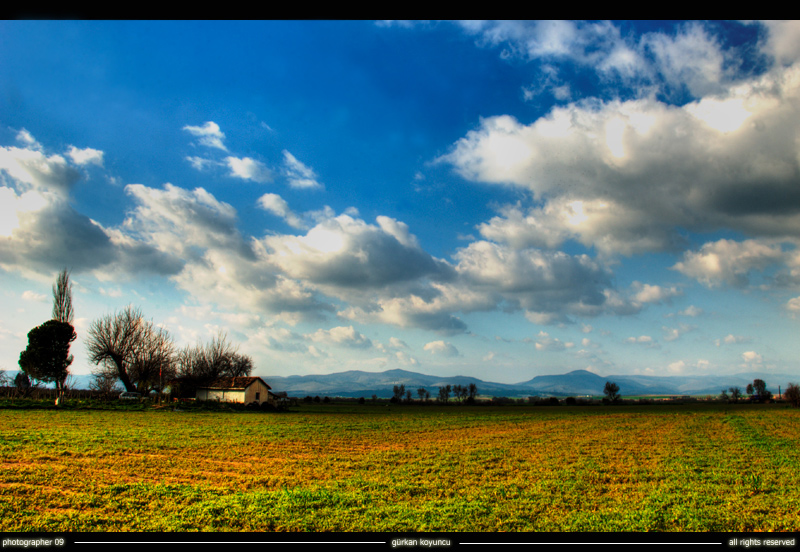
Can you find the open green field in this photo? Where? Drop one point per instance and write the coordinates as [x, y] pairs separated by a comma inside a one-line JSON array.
[[403, 469]]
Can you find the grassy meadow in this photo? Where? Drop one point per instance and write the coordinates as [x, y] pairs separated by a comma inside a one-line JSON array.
[[402, 468]]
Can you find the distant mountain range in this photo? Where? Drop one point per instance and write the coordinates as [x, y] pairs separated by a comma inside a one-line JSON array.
[[578, 383]]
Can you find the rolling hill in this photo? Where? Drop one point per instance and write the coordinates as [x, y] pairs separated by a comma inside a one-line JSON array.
[[579, 382]]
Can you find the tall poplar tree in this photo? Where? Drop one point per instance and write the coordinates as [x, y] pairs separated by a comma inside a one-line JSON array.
[[62, 298], [47, 357]]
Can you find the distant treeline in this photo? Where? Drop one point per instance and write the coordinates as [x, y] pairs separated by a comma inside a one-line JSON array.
[[501, 401], [42, 393]]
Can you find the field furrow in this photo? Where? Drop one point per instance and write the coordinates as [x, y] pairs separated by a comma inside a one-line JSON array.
[[368, 468]]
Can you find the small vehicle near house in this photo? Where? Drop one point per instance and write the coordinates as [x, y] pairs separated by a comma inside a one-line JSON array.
[[130, 395]]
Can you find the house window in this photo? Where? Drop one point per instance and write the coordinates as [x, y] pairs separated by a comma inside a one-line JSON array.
[[258, 395]]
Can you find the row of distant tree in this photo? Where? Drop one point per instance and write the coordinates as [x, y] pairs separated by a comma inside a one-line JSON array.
[[126, 348], [463, 393], [757, 391]]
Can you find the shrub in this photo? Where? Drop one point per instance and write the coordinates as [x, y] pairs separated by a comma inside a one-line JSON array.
[[267, 407], [793, 394]]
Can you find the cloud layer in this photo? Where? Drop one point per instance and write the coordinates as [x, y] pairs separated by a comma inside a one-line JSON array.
[[378, 272], [628, 177], [692, 158]]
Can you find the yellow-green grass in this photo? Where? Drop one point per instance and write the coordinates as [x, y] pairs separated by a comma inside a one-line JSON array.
[[403, 468]]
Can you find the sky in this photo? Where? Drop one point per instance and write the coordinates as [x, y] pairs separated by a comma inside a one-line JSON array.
[[496, 199]]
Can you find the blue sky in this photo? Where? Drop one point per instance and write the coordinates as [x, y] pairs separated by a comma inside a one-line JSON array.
[[498, 199]]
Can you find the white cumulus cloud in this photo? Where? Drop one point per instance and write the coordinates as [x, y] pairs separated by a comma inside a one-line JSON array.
[[209, 135], [247, 168], [345, 336], [441, 348], [85, 156], [728, 261], [626, 177], [276, 205]]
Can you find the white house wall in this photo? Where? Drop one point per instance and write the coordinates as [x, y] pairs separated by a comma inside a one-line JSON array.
[[246, 396], [223, 395]]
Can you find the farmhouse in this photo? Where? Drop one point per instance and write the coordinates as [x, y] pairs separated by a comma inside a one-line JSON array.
[[239, 390]]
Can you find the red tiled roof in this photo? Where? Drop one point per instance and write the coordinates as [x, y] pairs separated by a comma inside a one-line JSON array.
[[234, 383]]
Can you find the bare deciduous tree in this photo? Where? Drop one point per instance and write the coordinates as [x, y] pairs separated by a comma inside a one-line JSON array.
[[153, 359], [200, 363], [217, 359], [140, 354], [112, 341], [105, 383]]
